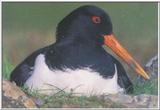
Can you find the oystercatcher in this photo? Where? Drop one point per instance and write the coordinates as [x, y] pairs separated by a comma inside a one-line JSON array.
[[77, 61]]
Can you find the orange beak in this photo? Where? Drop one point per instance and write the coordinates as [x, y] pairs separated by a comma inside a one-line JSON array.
[[112, 43]]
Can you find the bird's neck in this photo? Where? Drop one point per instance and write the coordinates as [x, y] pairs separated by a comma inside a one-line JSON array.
[[78, 41], [74, 48]]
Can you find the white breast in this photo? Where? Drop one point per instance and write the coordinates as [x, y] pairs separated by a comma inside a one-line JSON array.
[[80, 81]]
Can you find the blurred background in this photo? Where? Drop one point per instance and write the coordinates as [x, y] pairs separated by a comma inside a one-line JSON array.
[[30, 26]]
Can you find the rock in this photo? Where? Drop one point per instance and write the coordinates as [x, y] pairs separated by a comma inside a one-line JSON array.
[[138, 101], [70, 106], [149, 101], [8, 102], [120, 98], [151, 68], [14, 97], [39, 102]]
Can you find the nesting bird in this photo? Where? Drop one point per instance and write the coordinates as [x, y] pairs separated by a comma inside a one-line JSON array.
[[77, 61]]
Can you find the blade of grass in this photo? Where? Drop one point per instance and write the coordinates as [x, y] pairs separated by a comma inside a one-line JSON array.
[[7, 68]]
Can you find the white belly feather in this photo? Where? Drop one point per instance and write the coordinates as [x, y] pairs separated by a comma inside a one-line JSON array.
[[80, 81]]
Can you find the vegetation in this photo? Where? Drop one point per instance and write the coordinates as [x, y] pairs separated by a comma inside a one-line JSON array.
[[69, 100], [147, 87], [7, 68]]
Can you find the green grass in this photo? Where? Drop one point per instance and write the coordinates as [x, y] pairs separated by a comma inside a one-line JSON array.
[[7, 68], [64, 99], [147, 87]]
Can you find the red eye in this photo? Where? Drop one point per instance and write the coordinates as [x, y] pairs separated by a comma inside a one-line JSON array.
[[96, 19]]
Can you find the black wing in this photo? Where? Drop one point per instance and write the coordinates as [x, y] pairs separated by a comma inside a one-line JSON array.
[[123, 79], [24, 70]]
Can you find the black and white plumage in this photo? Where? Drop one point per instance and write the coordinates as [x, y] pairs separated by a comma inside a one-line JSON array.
[[77, 61]]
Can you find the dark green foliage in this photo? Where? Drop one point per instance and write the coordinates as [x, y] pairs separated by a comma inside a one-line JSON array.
[[7, 68], [147, 87]]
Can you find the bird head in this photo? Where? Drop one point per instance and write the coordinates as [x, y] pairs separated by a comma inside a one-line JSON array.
[[92, 26]]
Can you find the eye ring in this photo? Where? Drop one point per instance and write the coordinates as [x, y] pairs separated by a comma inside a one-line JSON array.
[[96, 19]]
